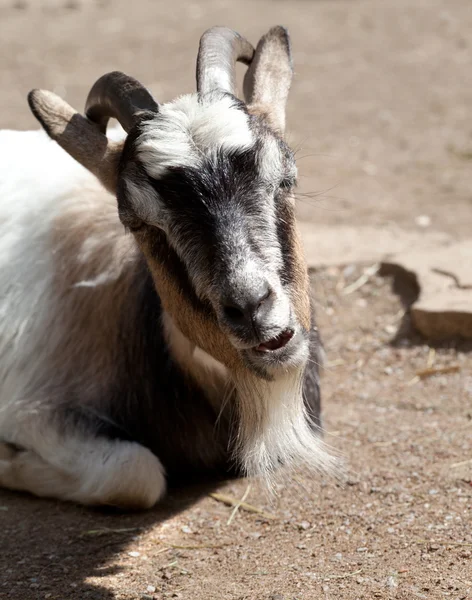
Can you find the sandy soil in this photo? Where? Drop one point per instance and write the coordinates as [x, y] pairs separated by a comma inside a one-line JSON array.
[[380, 112]]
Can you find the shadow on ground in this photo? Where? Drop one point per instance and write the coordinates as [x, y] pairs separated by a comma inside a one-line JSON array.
[[68, 544]]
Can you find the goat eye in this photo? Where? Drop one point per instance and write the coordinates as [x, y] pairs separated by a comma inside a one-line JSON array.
[[287, 183], [135, 226]]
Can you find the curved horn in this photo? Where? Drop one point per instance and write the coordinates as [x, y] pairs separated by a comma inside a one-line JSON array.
[[119, 96], [219, 50]]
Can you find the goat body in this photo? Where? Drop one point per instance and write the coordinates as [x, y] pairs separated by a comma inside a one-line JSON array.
[[108, 389]]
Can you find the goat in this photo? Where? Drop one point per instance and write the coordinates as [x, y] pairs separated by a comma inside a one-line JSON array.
[[183, 343]]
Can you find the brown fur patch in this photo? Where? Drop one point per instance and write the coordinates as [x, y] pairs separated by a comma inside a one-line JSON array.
[[264, 112], [94, 267], [300, 290], [202, 331]]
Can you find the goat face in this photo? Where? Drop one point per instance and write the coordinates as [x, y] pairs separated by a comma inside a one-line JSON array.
[[205, 184], [206, 187]]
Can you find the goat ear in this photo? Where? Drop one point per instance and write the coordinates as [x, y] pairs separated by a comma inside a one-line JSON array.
[[267, 81], [78, 136]]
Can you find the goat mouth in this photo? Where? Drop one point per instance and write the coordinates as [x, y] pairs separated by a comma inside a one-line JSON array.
[[276, 343]]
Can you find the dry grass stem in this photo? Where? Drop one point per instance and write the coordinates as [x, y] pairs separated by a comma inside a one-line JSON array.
[[430, 371], [431, 358], [236, 508], [193, 546], [334, 363], [230, 501], [343, 576], [463, 463], [363, 279], [440, 543], [107, 531], [169, 565]]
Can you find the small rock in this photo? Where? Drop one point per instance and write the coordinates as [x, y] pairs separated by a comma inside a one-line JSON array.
[[349, 270], [423, 221], [276, 597], [151, 588], [369, 168], [361, 549], [134, 554], [186, 529], [304, 525], [72, 5]]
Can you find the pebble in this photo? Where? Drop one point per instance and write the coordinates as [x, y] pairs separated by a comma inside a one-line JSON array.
[[134, 554], [423, 221]]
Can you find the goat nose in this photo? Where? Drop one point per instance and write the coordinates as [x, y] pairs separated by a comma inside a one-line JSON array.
[[248, 308]]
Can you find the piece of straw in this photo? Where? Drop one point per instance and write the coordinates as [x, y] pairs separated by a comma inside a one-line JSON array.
[[230, 501]]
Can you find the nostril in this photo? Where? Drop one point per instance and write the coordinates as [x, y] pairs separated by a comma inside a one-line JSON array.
[[247, 308], [233, 313]]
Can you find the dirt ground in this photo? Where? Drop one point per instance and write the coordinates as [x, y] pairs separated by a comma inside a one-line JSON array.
[[380, 111]]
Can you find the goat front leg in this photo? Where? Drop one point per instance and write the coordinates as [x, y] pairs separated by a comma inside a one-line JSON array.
[[87, 470]]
